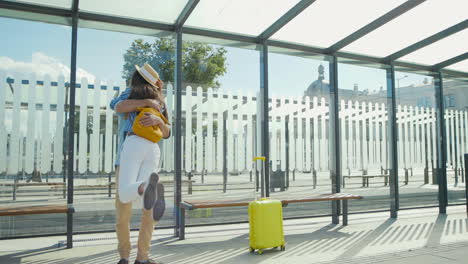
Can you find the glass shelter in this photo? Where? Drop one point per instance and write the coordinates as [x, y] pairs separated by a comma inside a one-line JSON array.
[[360, 97]]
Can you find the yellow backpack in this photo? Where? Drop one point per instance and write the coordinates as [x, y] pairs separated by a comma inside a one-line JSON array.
[[151, 133]]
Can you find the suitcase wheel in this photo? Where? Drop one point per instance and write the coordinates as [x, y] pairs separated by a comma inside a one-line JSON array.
[[283, 248], [251, 250], [260, 251]]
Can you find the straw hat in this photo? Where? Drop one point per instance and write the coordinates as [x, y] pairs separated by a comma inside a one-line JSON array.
[[148, 73]]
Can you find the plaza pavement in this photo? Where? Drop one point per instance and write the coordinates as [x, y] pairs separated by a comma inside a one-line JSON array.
[[419, 236]]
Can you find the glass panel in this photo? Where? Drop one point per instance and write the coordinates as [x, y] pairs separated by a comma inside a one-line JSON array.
[[34, 75], [460, 66], [417, 139], [299, 129], [103, 73], [364, 135], [456, 127], [219, 108], [241, 16], [326, 22], [416, 24], [152, 10], [441, 50], [52, 3]]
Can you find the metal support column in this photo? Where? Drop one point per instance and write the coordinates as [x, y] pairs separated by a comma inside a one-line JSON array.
[[441, 144], [334, 138], [392, 144], [265, 115], [178, 133], [71, 124]]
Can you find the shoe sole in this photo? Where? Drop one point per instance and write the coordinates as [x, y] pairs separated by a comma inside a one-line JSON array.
[[160, 204], [149, 197]]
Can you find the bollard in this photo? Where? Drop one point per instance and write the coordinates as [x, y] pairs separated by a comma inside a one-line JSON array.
[[426, 175], [109, 179], [406, 177], [314, 175]]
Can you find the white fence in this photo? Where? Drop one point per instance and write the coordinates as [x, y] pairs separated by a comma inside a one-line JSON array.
[[32, 118]]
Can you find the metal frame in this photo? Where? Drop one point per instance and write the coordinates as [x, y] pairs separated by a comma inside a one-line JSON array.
[[283, 20], [334, 139], [451, 61], [178, 211], [427, 41], [125, 21], [392, 144], [265, 116], [178, 133], [53, 11], [71, 124], [441, 144], [253, 39], [263, 39], [186, 12], [392, 14]]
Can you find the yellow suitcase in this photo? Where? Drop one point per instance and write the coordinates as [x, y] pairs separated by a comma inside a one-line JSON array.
[[265, 220], [266, 225]]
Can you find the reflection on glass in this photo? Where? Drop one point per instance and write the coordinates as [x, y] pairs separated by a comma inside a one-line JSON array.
[[456, 127], [103, 73], [417, 144], [364, 141], [299, 129], [219, 114], [34, 87]]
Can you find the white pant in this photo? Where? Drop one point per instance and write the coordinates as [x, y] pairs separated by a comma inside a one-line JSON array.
[[138, 159]]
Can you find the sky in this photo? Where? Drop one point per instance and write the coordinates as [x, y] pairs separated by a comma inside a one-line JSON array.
[[34, 47]]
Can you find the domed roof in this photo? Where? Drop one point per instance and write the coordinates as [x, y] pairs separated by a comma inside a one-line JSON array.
[[318, 86]]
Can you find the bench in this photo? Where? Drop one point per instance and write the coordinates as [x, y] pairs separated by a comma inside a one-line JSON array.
[[35, 209], [365, 175], [41, 209], [112, 185], [193, 205], [15, 186]]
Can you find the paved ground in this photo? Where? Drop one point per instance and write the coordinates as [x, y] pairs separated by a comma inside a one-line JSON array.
[[417, 236]]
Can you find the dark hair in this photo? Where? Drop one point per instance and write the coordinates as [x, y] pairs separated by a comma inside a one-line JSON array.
[[142, 89]]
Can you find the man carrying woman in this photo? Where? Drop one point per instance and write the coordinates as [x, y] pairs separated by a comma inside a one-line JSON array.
[[137, 162]]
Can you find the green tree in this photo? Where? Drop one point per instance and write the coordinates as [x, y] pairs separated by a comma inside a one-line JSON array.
[[202, 64]]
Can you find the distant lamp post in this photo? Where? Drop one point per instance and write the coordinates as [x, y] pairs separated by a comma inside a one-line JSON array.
[[398, 83]]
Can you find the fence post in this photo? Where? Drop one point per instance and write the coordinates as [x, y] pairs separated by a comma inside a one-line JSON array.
[[466, 182], [286, 135], [225, 170]]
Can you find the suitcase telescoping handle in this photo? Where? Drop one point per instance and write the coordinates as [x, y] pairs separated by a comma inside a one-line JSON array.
[[262, 182]]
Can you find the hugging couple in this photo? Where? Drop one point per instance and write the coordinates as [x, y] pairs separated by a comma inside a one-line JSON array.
[[143, 122]]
